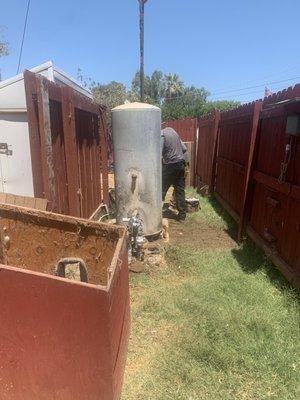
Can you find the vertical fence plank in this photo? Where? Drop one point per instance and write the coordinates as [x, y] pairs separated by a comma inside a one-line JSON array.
[[34, 134], [245, 208], [212, 162], [104, 155], [69, 128], [46, 143], [207, 146]]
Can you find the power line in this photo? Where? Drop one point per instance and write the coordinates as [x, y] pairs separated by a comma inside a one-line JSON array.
[[23, 36], [235, 90], [256, 86], [269, 76], [246, 94]]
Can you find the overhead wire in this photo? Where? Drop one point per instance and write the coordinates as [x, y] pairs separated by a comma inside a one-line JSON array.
[[269, 84], [23, 35], [277, 75], [256, 86]]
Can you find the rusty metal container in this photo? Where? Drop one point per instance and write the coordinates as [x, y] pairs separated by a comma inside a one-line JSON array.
[[59, 338], [137, 154]]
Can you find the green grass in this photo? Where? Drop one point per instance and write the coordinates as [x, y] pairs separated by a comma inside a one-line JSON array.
[[213, 325]]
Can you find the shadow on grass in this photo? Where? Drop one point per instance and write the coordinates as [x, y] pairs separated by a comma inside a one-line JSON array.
[[252, 260], [230, 222], [249, 256]]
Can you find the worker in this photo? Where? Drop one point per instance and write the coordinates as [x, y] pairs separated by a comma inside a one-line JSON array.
[[173, 169]]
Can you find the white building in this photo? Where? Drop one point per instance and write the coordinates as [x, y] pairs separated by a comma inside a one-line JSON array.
[[15, 157]]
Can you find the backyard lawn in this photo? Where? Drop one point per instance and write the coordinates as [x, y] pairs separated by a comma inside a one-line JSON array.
[[214, 322]]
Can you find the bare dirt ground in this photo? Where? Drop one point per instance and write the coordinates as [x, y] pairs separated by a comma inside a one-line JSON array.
[[200, 236]]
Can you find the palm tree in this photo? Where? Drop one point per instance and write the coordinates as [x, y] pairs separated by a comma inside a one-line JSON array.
[[142, 4], [173, 86]]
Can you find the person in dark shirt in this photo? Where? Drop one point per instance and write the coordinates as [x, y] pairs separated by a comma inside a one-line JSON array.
[[173, 169]]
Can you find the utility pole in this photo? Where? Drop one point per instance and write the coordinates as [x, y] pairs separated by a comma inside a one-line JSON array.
[[142, 75]]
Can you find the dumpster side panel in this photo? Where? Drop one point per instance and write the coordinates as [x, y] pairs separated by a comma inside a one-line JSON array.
[[37, 241], [54, 341], [119, 319]]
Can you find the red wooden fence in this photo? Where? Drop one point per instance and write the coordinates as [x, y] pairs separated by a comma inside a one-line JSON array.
[[257, 173], [237, 135], [206, 151], [274, 222], [186, 128], [68, 147]]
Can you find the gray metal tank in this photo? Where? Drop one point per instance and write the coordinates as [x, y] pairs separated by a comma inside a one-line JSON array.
[[136, 131]]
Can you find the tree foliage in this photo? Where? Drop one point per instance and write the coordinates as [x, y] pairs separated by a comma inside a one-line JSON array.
[[3, 46], [222, 105], [167, 91], [170, 93], [111, 95]]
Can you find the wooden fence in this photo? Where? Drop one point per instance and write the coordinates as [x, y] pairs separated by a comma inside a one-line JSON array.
[[68, 147], [186, 128], [246, 159], [206, 145]]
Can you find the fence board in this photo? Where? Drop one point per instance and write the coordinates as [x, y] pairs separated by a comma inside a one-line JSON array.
[[34, 137], [206, 151], [186, 128], [69, 129]]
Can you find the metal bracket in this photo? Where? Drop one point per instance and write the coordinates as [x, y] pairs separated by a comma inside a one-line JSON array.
[[5, 150]]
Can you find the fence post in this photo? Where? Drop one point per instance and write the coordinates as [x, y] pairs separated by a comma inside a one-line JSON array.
[[34, 135], [214, 151], [249, 168], [46, 142], [103, 154], [71, 154]]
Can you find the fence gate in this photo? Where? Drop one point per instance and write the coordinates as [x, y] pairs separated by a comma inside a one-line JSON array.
[[68, 147]]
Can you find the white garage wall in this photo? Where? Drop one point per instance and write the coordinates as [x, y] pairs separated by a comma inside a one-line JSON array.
[[15, 170]]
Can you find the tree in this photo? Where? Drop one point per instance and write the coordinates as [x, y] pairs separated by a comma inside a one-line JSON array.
[[153, 88], [3, 46], [173, 86], [167, 91], [186, 105], [111, 94], [3, 49], [222, 105]]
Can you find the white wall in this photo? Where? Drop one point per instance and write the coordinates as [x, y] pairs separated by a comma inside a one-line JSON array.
[[15, 170], [13, 96]]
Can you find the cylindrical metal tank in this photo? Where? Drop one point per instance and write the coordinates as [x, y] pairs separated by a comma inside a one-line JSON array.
[[137, 154]]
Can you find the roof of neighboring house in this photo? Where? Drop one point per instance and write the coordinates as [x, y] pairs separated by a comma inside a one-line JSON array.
[[12, 91]]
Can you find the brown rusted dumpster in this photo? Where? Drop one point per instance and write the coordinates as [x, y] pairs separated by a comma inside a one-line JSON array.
[[61, 339]]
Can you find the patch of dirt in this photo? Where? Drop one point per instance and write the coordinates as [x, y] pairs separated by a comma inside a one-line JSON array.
[[200, 237]]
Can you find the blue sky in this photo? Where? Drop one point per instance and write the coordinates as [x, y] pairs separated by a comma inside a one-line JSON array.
[[222, 45]]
